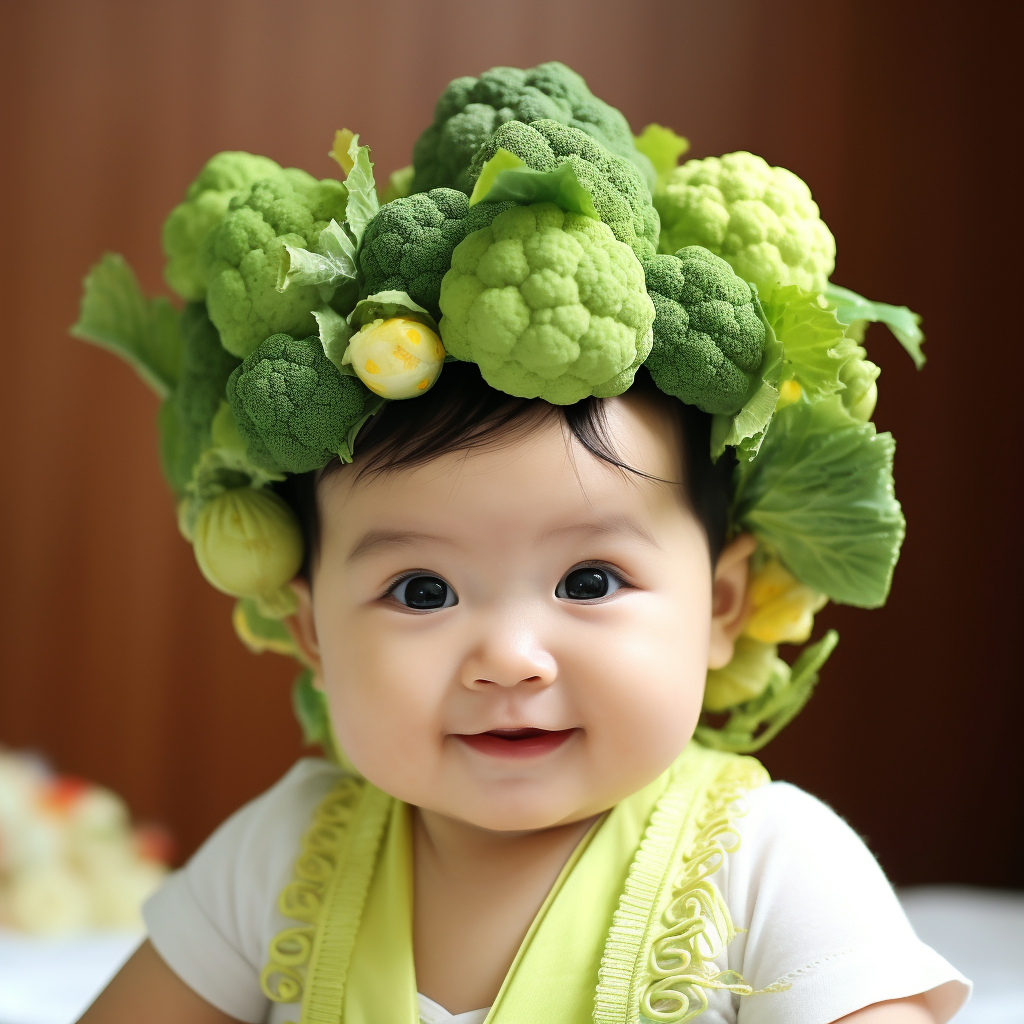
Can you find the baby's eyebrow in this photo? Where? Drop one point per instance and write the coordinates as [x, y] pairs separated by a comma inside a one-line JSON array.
[[613, 524], [374, 539]]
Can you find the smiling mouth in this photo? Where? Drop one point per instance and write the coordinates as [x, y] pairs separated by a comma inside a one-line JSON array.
[[516, 743]]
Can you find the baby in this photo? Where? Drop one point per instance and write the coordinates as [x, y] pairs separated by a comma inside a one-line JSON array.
[[522, 592]]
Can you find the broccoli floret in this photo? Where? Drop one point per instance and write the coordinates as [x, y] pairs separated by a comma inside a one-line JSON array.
[[708, 337], [186, 415], [548, 304], [240, 258], [470, 109], [760, 219], [620, 195], [408, 245], [292, 406], [222, 178]]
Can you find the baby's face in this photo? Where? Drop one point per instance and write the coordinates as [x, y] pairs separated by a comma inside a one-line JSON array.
[[516, 638]]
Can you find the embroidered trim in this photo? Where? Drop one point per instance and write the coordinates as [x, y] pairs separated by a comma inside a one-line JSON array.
[[673, 962], [323, 848]]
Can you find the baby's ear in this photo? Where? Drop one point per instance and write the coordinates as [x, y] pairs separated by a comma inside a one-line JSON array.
[[729, 605], [303, 628]]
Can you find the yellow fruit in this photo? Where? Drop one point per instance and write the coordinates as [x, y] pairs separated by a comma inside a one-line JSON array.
[[783, 608], [396, 358]]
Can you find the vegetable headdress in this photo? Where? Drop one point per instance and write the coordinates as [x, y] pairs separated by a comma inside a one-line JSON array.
[[536, 237]]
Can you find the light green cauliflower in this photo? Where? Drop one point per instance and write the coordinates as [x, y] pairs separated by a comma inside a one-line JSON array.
[[760, 219], [241, 257], [548, 304], [222, 178]]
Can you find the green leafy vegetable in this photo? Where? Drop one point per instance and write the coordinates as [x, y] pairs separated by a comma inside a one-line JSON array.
[[335, 333], [745, 430], [330, 265], [812, 340], [662, 147], [852, 308], [820, 495], [362, 190], [385, 305], [753, 724], [144, 332], [506, 178]]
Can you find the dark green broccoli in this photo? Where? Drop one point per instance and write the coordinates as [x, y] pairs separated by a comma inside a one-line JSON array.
[[187, 413], [292, 406], [620, 195], [408, 244], [708, 334], [470, 110]]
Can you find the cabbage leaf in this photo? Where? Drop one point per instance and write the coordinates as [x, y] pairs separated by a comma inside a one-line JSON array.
[[812, 340], [852, 308], [506, 178], [144, 332], [820, 496]]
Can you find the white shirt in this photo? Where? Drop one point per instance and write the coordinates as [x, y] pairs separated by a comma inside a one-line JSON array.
[[816, 910]]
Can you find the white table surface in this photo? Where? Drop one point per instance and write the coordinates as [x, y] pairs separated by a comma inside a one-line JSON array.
[[981, 932]]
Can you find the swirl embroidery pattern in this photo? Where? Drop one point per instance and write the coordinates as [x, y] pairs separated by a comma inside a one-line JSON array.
[[283, 977], [696, 926]]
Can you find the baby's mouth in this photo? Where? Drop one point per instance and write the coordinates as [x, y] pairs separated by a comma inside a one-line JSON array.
[[516, 743]]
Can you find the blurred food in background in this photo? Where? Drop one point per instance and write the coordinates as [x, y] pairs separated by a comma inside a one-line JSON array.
[[70, 858]]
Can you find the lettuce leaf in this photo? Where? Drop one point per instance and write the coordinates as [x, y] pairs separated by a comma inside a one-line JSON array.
[[505, 177], [144, 332], [745, 430], [820, 496], [383, 306], [362, 205], [852, 308], [331, 265], [335, 333], [812, 340], [662, 147], [260, 633]]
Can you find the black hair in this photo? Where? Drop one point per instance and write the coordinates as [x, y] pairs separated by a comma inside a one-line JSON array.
[[462, 412]]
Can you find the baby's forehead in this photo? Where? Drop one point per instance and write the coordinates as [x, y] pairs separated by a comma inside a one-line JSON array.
[[540, 483]]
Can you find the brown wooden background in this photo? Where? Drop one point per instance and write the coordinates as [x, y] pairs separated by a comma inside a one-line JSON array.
[[119, 663]]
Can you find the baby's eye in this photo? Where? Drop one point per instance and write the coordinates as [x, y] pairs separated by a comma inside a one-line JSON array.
[[424, 593], [587, 583]]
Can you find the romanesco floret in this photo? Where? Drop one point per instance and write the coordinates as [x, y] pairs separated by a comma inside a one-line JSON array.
[[206, 202], [470, 109], [292, 406], [241, 257], [548, 304], [620, 195], [188, 412], [708, 336], [761, 219], [408, 245]]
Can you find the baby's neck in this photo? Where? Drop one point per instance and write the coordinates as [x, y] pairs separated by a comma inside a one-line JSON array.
[[476, 893]]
